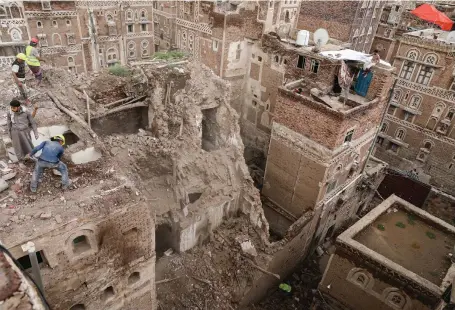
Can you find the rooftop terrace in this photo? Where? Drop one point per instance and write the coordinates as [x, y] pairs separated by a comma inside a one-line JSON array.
[[434, 34], [402, 237]]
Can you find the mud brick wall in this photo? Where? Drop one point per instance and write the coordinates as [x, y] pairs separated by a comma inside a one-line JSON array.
[[348, 293], [55, 5], [322, 124], [441, 205], [125, 122], [335, 16]]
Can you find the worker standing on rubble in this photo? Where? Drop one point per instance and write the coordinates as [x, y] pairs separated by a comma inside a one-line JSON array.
[[18, 72], [33, 60], [20, 124], [50, 157]]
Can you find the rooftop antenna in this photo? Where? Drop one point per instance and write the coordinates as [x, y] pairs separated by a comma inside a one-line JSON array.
[[320, 38]]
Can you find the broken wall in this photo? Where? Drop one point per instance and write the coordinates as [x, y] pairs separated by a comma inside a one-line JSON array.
[[105, 262]]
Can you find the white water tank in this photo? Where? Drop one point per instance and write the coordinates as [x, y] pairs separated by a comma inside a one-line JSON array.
[[302, 37]]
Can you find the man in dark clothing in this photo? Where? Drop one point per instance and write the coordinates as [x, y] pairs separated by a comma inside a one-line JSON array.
[[51, 153], [18, 73]]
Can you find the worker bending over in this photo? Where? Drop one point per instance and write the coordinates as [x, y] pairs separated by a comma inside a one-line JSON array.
[[33, 60], [18, 72], [51, 154]]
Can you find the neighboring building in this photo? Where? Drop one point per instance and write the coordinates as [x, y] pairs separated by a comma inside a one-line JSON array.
[[417, 132], [164, 17], [395, 257], [103, 261], [319, 144], [14, 32], [81, 35], [348, 21]]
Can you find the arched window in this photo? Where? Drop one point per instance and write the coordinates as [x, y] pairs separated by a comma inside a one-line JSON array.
[[15, 11], [55, 23], [396, 96], [415, 101], [384, 127], [143, 14], [400, 134], [413, 54], [427, 145], [111, 54], [129, 15], [439, 108], [131, 49], [450, 114], [3, 12], [395, 298], [109, 17], [286, 17], [56, 39], [16, 35], [360, 277], [70, 61], [431, 58]]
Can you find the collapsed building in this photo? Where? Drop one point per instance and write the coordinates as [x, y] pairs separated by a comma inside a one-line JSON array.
[[165, 210]]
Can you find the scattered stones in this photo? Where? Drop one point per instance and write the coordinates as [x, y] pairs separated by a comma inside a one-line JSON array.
[[56, 172], [45, 216], [58, 219], [169, 252], [3, 185], [9, 176], [248, 248]]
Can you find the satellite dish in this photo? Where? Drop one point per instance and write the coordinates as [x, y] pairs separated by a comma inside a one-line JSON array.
[[451, 37], [320, 37]]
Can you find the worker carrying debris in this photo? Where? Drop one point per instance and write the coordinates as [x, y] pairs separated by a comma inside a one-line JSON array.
[[33, 60], [51, 153], [20, 124], [18, 72]]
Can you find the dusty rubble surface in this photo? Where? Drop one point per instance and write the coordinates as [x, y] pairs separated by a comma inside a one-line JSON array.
[[186, 144]]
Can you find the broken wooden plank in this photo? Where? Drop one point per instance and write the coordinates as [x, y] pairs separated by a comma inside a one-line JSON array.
[[263, 270], [88, 109], [118, 102], [123, 108], [71, 114]]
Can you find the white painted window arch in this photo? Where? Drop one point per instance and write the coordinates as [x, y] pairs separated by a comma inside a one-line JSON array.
[[415, 101], [400, 134], [428, 144], [131, 49], [144, 14], [129, 14], [431, 58], [71, 61], [384, 127], [112, 54], [56, 39], [413, 54], [396, 298], [438, 109], [360, 277], [16, 34]]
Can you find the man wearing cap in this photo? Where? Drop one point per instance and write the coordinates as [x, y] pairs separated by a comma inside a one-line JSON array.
[[51, 153], [33, 60], [18, 72], [20, 124]]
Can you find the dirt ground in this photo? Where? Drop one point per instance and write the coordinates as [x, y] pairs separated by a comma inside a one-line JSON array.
[[214, 275], [407, 240]]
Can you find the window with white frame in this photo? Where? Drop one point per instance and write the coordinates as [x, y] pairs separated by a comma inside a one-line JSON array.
[[130, 28], [3, 12], [39, 24], [412, 54], [43, 40], [400, 134], [71, 38], [46, 5], [238, 51], [384, 127], [437, 111], [415, 101], [145, 48], [396, 96], [55, 23], [450, 114], [431, 59], [16, 35], [71, 62], [424, 76], [111, 55], [129, 15], [215, 45], [143, 27], [407, 70], [131, 49]]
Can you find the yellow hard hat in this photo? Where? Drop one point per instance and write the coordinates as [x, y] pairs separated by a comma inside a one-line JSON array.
[[59, 138], [21, 56]]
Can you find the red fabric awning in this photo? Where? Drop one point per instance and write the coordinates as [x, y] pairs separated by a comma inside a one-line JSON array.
[[431, 14]]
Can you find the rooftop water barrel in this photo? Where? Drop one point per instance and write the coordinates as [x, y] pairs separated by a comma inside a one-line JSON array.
[[302, 37]]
